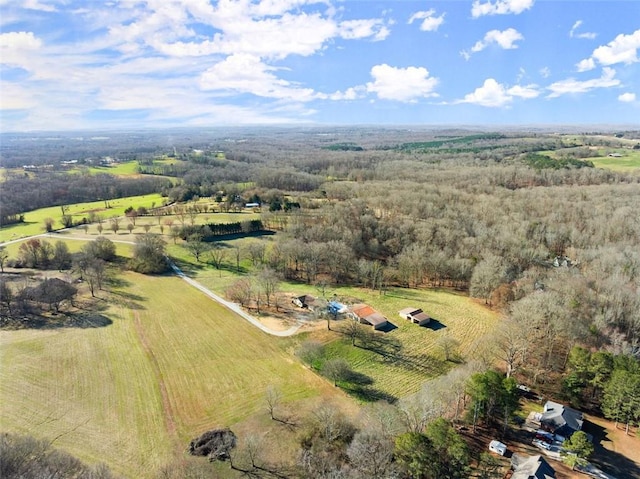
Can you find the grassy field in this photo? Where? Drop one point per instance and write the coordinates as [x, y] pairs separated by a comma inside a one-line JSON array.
[[132, 394], [126, 168], [34, 220], [74, 244], [415, 354], [629, 161]]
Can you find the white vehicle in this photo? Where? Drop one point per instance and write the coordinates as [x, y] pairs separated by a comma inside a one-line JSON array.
[[498, 447]]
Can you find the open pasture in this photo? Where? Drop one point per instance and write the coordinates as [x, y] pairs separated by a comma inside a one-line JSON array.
[[411, 354], [132, 394], [34, 220], [629, 161]]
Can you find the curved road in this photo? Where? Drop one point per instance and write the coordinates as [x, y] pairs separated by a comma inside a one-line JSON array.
[[233, 306], [227, 304]]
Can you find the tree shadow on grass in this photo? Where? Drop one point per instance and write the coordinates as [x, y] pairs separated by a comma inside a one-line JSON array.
[[128, 300], [369, 394], [82, 320]]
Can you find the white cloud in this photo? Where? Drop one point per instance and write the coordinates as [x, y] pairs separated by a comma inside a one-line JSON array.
[[500, 7], [585, 35], [495, 95], [430, 21], [585, 65], [401, 84], [350, 94], [15, 97], [527, 92], [505, 39], [491, 94], [19, 41], [245, 73], [623, 49], [573, 86], [627, 97], [19, 49], [273, 29], [358, 29], [545, 72]]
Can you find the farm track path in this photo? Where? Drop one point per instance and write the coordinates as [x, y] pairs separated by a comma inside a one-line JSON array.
[[166, 403], [233, 307]]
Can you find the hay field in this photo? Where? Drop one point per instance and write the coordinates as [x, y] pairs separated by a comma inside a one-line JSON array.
[[132, 394]]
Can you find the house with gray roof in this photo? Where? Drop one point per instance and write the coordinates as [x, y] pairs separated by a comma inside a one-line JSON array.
[[531, 467], [561, 420]]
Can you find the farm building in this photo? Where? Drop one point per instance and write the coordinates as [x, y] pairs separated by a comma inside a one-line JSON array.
[[415, 315], [305, 301], [531, 467], [367, 315]]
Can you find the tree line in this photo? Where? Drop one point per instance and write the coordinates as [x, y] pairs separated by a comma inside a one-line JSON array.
[[19, 195]]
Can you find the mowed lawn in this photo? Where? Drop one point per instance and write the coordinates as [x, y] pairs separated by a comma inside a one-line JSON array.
[[132, 394], [34, 220]]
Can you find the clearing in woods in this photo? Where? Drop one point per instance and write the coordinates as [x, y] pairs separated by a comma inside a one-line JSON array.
[[132, 394]]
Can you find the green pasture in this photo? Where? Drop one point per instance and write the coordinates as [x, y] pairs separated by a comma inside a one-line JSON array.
[[125, 168], [34, 220], [629, 161], [172, 364], [74, 243], [416, 355]]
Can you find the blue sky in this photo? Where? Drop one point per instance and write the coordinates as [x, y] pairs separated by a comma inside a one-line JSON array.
[[126, 63]]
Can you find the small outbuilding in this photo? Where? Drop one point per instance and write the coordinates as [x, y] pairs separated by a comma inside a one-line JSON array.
[[415, 315], [498, 447], [306, 301], [365, 314]]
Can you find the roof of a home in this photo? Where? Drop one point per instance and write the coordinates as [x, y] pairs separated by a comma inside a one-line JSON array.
[[531, 467], [406, 311], [559, 415]]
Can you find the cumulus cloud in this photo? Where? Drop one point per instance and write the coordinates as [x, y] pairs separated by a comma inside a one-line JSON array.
[[585, 35], [19, 49], [495, 95], [586, 65], [627, 97], [505, 39], [246, 73], [19, 41], [401, 84], [573, 86], [430, 21], [358, 29], [622, 49], [500, 7], [273, 29]]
